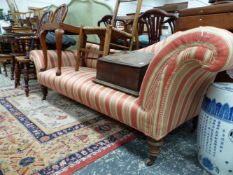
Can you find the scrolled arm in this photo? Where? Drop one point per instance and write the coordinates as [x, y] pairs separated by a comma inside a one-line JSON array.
[[206, 48]]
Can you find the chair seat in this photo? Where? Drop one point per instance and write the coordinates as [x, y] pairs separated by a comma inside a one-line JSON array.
[[143, 41]]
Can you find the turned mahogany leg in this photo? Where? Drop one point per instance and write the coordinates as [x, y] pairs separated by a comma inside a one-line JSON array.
[[26, 78], [43, 34], [153, 152], [17, 74], [59, 34], [44, 91]]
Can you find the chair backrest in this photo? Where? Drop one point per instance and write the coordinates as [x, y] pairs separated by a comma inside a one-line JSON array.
[[60, 14], [136, 16], [46, 17], [153, 20], [106, 20], [22, 18]]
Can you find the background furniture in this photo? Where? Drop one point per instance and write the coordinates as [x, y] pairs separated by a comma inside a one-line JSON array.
[[151, 24], [22, 63], [219, 15], [174, 7], [4, 58], [172, 89]]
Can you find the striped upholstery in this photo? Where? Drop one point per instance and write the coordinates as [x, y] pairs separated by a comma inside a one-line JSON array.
[[172, 89], [79, 86], [68, 57]]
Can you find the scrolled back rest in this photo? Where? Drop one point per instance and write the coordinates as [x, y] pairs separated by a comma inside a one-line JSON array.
[[205, 49], [177, 78]]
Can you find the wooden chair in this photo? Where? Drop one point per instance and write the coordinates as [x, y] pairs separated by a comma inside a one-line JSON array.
[[21, 60], [116, 34], [153, 21], [22, 18], [110, 34], [59, 14]]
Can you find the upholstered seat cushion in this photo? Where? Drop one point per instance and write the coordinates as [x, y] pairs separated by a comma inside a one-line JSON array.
[[79, 86]]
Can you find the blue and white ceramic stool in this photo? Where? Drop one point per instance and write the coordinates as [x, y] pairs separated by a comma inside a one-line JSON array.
[[215, 130]]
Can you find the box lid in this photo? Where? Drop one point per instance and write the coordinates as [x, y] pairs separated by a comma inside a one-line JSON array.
[[129, 58]]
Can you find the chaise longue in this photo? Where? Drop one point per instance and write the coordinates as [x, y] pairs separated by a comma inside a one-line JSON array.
[[172, 90]]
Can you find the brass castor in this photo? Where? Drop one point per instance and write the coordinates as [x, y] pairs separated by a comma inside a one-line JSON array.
[[153, 152], [149, 161]]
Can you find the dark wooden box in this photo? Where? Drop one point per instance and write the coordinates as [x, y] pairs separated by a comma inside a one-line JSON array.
[[123, 71]]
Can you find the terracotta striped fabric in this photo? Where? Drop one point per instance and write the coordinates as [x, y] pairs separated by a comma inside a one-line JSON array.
[[172, 89], [79, 86], [68, 58]]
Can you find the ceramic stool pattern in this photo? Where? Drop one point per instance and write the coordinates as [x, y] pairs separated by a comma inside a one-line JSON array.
[[215, 130]]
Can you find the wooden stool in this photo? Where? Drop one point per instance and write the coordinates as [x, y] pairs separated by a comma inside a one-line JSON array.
[[20, 60], [3, 59]]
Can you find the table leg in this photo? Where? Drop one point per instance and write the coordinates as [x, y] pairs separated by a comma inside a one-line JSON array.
[[26, 78], [12, 67], [17, 74]]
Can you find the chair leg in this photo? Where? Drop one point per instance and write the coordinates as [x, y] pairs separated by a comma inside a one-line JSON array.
[[17, 74], [0, 69], [153, 150], [44, 91], [4, 66], [12, 68], [26, 78]]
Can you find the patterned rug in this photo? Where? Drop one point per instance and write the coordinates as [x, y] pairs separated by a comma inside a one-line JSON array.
[[56, 136]]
